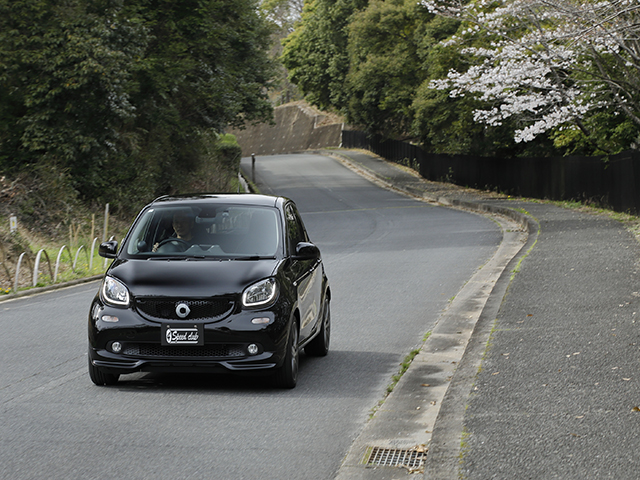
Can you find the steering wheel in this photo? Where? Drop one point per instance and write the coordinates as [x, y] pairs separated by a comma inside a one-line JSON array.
[[176, 241]]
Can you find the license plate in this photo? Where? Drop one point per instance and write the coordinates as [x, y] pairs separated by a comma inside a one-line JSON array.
[[182, 334]]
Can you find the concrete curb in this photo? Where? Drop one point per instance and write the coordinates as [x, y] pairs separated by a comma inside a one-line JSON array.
[[426, 409], [442, 462]]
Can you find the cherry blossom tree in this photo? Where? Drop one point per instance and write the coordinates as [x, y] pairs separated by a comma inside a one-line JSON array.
[[549, 64]]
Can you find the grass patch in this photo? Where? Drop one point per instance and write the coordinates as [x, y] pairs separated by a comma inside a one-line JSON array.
[[404, 366]]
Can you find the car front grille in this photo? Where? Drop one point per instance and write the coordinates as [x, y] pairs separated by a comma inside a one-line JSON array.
[[166, 308], [207, 351]]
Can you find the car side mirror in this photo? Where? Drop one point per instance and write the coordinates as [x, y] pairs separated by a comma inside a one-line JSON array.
[[306, 251], [108, 249]]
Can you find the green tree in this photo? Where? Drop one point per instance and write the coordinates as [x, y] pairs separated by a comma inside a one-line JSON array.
[[124, 96], [283, 16], [206, 67], [384, 67], [64, 73], [315, 54]]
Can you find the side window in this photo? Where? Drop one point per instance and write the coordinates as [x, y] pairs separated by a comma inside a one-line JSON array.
[[295, 229], [139, 240]]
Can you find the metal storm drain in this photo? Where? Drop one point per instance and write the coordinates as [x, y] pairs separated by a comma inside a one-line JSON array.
[[412, 458]]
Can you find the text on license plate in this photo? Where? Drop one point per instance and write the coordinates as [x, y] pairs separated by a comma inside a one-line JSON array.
[[182, 335]]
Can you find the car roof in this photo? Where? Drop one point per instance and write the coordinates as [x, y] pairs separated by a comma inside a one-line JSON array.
[[235, 198]]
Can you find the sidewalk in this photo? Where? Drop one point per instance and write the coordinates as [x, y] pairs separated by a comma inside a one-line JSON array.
[[546, 385]]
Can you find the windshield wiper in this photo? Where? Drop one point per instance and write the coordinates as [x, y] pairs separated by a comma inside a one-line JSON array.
[[173, 257], [210, 257], [255, 257]]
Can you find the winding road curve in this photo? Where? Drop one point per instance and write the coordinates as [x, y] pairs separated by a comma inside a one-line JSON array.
[[393, 263]]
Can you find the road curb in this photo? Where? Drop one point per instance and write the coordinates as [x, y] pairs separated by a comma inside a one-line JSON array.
[[426, 409], [443, 459]]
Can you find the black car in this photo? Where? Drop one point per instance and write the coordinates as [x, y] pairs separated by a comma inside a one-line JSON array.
[[211, 283]]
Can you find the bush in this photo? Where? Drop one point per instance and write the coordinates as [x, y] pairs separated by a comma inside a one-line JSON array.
[[219, 165], [229, 152]]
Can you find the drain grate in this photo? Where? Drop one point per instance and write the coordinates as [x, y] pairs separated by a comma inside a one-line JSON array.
[[392, 457]]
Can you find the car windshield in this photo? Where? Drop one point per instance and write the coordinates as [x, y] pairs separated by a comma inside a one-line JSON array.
[[197, 231]]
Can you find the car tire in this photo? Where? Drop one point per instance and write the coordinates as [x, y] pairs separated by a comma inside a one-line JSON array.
[[319, 346], [287, 375], [101, 378]]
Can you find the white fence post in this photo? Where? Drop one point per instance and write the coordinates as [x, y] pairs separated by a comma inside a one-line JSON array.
[[93, 248], [73, 268], [36, 267], [15, 283], [72, 260], [75, 261]]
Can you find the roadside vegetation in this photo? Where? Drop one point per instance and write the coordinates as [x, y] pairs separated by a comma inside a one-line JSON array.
[[489, 78], [120, 102], [112, 102]]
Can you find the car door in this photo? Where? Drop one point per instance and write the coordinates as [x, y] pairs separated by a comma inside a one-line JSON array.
[[307, 274]]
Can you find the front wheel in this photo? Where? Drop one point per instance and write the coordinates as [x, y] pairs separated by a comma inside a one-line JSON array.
[[101, 378], [319, 346], [287, 375]]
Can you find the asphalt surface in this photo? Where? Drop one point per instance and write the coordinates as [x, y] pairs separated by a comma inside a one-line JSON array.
[[542, 382], [376, 245], [546, 385]]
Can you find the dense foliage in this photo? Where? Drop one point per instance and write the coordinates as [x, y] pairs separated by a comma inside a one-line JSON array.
[[501, 77], [282, 15], [126, 100], [381, 83], [559, 67], [316, 52]]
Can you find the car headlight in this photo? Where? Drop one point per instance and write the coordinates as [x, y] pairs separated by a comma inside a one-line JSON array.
[[261, 293], [114, 292]]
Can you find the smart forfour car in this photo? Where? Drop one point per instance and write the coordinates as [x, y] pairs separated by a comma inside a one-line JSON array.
[[211, 283]]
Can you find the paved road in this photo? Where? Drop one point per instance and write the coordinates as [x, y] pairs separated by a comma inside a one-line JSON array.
[[394, 264], [548, 385]]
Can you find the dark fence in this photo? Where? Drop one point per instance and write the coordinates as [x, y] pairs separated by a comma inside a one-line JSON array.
[[607, 182]]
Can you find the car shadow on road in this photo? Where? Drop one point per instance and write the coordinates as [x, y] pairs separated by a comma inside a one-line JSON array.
[[340, 374]]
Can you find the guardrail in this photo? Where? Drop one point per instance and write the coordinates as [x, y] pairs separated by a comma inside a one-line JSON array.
[[34, 264], [40, 264]]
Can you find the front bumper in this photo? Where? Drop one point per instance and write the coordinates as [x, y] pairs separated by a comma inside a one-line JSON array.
[[121, 364], [126, 343]]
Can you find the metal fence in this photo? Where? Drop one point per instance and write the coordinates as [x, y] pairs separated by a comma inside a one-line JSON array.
[[604, 181], [31, 270], [28, 267]]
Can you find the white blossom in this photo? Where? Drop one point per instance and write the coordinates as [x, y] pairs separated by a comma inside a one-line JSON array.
[[550, 62]]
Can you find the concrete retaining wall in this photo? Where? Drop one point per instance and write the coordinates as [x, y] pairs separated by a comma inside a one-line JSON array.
[[296, 129]]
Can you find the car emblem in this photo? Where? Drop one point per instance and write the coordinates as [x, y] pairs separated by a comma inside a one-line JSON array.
[[182, 310]]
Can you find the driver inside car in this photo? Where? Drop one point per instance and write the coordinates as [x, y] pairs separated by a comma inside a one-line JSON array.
[[183, 225]]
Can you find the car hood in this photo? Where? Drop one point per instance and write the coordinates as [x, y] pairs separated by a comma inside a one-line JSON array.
[[190, 278]]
